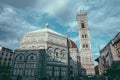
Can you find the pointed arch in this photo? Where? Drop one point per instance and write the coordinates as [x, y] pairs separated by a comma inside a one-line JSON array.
[[20, 57], [57, 52], [31, 57], [18, 64], [63, 53], [31, 64], [50, 51]]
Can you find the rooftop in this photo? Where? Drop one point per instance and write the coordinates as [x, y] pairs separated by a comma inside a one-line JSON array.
[[46, 29]]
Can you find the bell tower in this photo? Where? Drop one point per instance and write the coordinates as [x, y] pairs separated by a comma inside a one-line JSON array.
[[87, 63]]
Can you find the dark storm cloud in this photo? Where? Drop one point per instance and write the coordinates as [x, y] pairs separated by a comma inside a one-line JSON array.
[[12, 27], [19, 3], [6, 34]]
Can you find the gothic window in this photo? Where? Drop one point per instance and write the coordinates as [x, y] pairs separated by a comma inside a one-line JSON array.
[[82, 25], [20, 58], [82, 36], [56, 54], [86, 45], [49, 51], [83, 45], [63, 54], [31, 57], [85, 36], [30, 65]]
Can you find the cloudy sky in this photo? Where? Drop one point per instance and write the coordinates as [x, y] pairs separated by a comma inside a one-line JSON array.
[[20, 16]]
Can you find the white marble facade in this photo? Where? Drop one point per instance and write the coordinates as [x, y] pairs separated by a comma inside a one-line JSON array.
[[56, 49]]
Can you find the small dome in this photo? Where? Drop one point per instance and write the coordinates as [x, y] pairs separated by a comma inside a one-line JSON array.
[[72, 44]]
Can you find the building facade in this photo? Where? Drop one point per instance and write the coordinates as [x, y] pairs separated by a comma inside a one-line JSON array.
[[29, 65], [54, 62], [86, 57], [6, 58], [109, 60]]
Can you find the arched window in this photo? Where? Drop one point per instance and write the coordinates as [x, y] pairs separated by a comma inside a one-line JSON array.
[[18, 65], [31, 57], [82, 36], [50, 51], [56, 53], [85, 36], [86, 45], [82, 25], [30, 64], [83, 45], [20, 58], [62, 53]]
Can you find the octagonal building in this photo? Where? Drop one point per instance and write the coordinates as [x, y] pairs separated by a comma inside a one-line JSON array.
[[42, 54]]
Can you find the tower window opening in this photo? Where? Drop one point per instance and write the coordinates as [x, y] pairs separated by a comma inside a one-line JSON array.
[[56, 54], [82, 24], [83, 46], [82, 36], [85, 36], [86, 45]]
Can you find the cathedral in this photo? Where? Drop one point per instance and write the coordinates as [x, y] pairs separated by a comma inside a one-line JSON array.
[[45, 54]]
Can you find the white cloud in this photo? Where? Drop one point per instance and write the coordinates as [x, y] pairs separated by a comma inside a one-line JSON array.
[[72, 26], [51, 7]]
